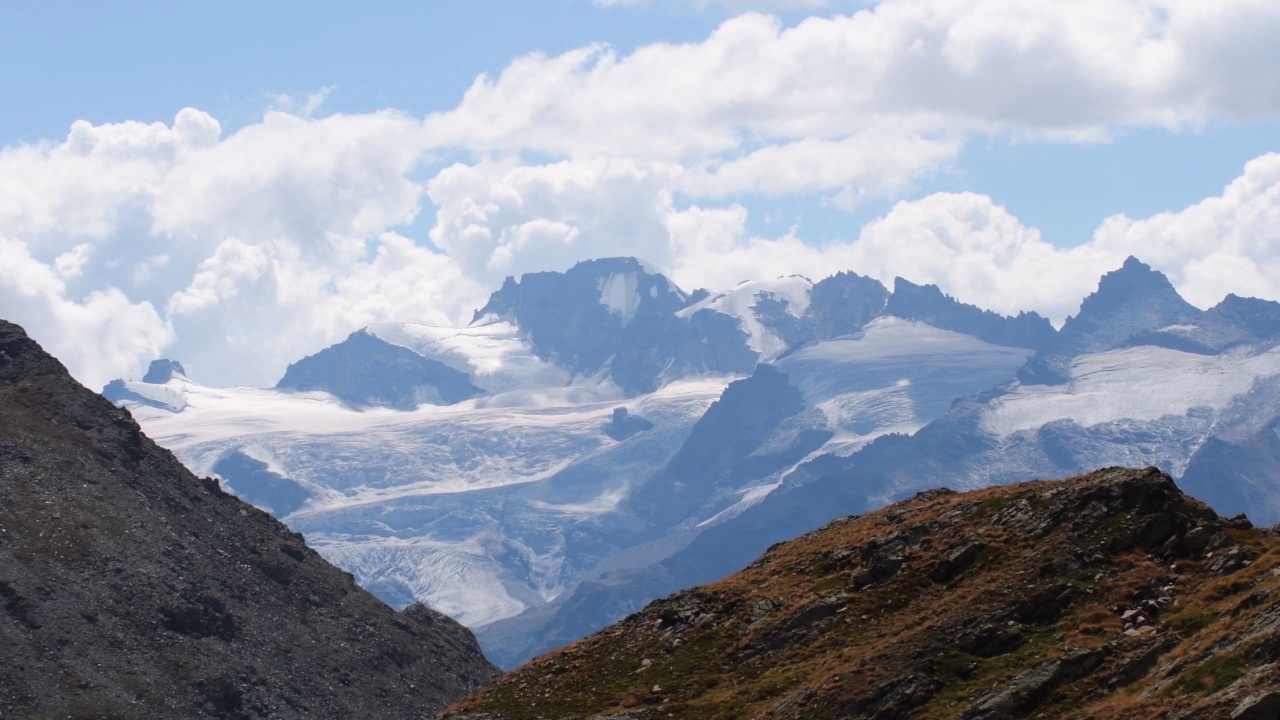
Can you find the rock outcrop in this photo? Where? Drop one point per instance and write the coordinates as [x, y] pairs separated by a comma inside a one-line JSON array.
[[1109, 595], [131, 589]]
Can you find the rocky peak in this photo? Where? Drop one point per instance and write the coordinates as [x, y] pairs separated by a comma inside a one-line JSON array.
[[1110, 595], [844, 303], [1261, 318], [928, 304], [131, 589], [162, 371], [618, 316], [620, 286], [1129, 301], [367, 371]]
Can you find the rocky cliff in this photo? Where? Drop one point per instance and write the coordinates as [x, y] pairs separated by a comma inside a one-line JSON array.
[[1110, 595], [131, 589]]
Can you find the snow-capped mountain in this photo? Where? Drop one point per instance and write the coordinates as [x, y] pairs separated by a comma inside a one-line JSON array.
[[1137, 378], [599, 437]]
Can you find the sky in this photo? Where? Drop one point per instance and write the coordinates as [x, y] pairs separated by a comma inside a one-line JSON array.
[[237, 185]]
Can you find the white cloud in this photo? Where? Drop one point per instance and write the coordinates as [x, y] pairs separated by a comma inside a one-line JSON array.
[[104, 329], [501, 218], [1229, 243], [903, 80], [729, 5], [257, 247], [977, 251], [241, 252]]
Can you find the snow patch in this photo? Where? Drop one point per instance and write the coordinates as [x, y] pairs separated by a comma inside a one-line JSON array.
[[618, 293], [749, 497], [741, 301], [1143, 383], [895, 376], [492, 353], [170, 395]]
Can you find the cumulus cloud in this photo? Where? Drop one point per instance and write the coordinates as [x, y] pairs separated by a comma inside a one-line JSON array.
[[729, 5], [1227, 243], [917, 68], [104, 329], [231, 252], [240, 252], [966, 243]]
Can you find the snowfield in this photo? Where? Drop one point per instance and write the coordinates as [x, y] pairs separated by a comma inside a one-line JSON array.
[[1135, 384]]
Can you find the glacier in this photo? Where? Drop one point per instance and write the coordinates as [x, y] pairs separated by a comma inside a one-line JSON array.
[[626, 438]]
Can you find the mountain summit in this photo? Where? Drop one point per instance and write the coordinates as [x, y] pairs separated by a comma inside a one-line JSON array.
[[1131, 301], [131, 589], [618, 316]]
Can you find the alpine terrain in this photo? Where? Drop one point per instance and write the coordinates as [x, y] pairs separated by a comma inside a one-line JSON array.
[[598, 438], [131, 589], [1107, 596]]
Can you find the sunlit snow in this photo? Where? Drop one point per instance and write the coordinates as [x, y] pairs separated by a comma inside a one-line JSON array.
[[491, 351], [740, 302], [1138, 384], [618, 293], [894, 377]]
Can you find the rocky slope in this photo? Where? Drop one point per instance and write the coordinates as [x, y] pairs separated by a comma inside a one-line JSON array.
[[1109, 595], [129, 588]]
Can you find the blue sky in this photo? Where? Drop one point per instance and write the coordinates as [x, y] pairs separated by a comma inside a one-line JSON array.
[[239, 184]]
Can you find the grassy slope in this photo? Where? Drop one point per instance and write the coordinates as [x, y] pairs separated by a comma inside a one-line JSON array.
[[1004, 602]]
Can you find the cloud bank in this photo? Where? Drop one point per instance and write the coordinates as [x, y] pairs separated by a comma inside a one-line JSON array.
[[240, 252]]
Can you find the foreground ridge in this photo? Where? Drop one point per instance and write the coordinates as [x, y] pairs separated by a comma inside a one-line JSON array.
[[131, 589], [1108, 595]]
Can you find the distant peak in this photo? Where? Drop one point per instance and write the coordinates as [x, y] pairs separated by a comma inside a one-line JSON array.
[[1131, 300], [162, 371], [927, 303], [901, 284], [1133, 268], [1133, 264], [1133, 278], [614, 265]]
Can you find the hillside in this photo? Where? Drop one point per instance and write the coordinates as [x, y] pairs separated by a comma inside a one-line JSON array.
[[132, 589], [1109, 595]]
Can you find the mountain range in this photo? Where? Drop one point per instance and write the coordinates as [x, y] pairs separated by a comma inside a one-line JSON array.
[[598, 438]]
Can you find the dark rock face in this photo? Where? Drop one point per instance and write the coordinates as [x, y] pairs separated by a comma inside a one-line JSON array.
[[163, 370], [252, 481], [130, 589], [724, 449], [623, 425], [1260, 318], [615, 315], [1107, 596], [928, 304], [365, 371], [1130, 301], [844, 303], [839, 305]]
